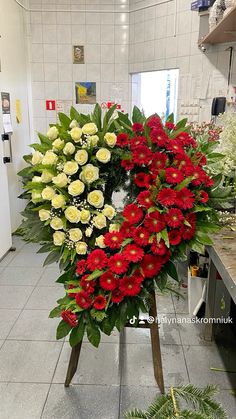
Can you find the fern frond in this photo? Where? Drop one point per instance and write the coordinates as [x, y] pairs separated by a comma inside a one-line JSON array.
[[135, 414], [161, 407], [189, 414]]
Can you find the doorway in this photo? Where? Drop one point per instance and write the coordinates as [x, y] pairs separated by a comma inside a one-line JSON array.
[[156, 92]]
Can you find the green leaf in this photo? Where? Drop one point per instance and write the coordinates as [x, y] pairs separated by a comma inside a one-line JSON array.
[[53, 256], [203, 238], [181, 124], [64, 120], [95, 275], [77, 334], [44, 139], [97, 116], [138, 116], [45, 248], [197, 247], [94, 335], [56, 312], [98, 315], [164, 235], [63, 329], [26, 172], [66, 276], [184, 183], [171, 270], [74, 114], [201, 208]]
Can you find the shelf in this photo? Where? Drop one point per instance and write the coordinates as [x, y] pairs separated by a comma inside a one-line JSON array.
[[225, 31]]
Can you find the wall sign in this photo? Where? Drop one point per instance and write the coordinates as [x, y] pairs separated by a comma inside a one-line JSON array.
[[50, 105], [6, 112]]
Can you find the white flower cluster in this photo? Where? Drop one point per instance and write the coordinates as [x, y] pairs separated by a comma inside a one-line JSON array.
[[65, 188], [227, 142]]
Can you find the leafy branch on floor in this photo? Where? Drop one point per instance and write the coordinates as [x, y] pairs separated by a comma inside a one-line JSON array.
[[186, 402]]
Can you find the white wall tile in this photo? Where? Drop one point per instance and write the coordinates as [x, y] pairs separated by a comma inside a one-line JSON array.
[[107, 72], [39, 108], [51, 90], [51, 71], [149, 32], [36, 53], [63, 34], [93, 54], [121, 34], [93, 34], [80, 72], [121, 73], [65, 72], [121, 54], [36, 34], [63, 18], [49, 18], [78, 18], [50, 53], [50, 34], [107, 34], [37, 72], [107, 53], [78, 34], [64, 53], [107, 18], [65, 91], [36, 17], [38, 90], [94, 72]]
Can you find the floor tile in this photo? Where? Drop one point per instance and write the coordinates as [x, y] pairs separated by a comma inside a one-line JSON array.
[[28, 260], [191, 333], [82, 402], [34, 325], [32, 362], [96, 366], [200, 361], [14, 297], [1, 343], [7, 320], [18, 242], [137, 365], [7, 259], [22, 400], [181, 302], [228, 401], [113, 338], [31, 248], [20, 276], [45, 297], [49, 277], [136, 397], [164, 304]]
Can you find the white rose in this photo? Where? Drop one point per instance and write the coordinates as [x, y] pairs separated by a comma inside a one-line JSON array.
[[103, 155], [114, 227], [88, 232], [44, 215], [100, 242], [48, 193], [93, 140], [60, 180], [99, 221], [109, 211], [69, 149], [81, 248], [58, 201], [72, 214], [37, 158], [81, 157], [110, 139], [76, 188], [89, 173], [74, 124], [58, 144], [76, 134], [46, 176], [36, 196], [58, 238], [70, 168], [52, 133], [96, 199], [50, 158], [89, 129], [75, 234], [37, 179], [85, 216], [56, 223]]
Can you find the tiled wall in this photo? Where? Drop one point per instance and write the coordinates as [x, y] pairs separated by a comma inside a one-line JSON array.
[[165, 36], [53, 28]]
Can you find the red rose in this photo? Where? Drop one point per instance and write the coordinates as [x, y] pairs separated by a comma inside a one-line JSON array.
[[132, 213], [71, 294], [100, 302], [83, 299], [97, 259], [69, 318]]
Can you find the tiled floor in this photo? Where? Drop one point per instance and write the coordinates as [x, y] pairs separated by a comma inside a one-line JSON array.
[[110, 380]]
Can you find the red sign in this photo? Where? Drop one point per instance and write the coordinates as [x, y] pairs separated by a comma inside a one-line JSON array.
[[50, 105]]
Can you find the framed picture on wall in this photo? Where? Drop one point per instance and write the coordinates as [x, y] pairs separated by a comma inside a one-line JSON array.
[[78, 54], [85, 92]]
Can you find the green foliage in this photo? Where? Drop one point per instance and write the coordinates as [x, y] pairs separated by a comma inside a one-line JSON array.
[[63, 329], [200, 405], [77, 334]]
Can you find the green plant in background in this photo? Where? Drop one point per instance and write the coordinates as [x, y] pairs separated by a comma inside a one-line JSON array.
[[186, 402]]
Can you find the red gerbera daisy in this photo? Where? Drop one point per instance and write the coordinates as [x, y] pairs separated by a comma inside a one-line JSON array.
[[181, 161], [150, 266], [107, 281], [99, 302], [142, 180], [87, 285], [200, 158], [197, 173], [137, 141], [71, 294], [174, 218], [132, 213], [133, 253], [138, 128], [203, 196], [127, 229], [145, 199], [122, 140], [129, 286], [83, 299], [189, 231], [142, 155], [185, 199], [186, 139], [118, 264], [170, 125], [167, 197], [81, 267], [69, 317], [97, 259], [155, 222], [173, 175], [154, 121], [117, 296], [208, 181], [175, 236], [159, 161], [159, 248], [141, 236], [113, 240], [127, 164], [175, 147], [159, 137]]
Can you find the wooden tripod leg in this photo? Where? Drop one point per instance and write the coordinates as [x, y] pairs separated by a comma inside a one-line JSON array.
[[73, 363], [156, 349]]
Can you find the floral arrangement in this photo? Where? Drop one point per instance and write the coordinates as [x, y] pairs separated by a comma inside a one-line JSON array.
[[114, 261]]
